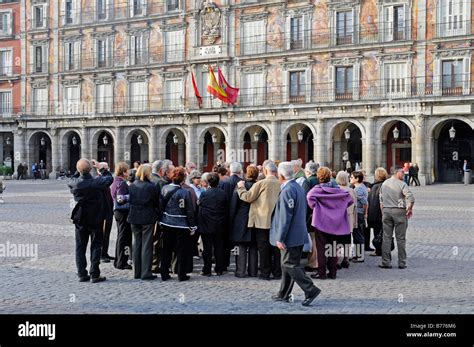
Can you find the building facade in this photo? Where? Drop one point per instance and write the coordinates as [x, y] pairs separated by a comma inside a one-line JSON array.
[[10, 75], [379, 82]]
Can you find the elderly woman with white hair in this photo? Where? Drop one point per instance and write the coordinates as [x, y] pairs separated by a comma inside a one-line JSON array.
[[342, 179]]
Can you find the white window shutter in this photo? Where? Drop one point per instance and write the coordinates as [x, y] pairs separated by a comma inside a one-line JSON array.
[[77, 54], [67, 56], [131, 8], [466, 73], [144, 7], [45, 60], [144, 52], [332, 84], [132, 49], [388, 23]]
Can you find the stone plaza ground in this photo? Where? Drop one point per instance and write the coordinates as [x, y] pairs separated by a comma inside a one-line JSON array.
[[439, 278]]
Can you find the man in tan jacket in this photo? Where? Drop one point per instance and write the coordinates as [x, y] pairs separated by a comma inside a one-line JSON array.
[[263, 197]]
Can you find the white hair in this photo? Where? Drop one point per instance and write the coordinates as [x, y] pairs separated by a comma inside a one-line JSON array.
[[270, 167], [205, 177], [342, 178], [156, 166], [312, 167], [235, 168], [285, 169]]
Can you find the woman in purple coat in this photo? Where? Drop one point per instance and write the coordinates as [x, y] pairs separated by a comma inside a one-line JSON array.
[[330, 220]]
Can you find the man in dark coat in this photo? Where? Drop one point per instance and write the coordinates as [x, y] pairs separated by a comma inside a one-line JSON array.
[[88, 216], [288, 233], [229, 186], [212, 220]]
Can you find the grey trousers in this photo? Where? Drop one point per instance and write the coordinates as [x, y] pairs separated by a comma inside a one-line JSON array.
[[142, 250], [394, 219], [292, 271]]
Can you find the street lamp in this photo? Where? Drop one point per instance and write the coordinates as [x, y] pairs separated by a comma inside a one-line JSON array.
[[8, 141], [42, 141], [256, 136], [300, 135], [105, 140], [396, 133], [175, 139], [214, 138], [347, 134], [74, 140], [452, 133], [139, 139]]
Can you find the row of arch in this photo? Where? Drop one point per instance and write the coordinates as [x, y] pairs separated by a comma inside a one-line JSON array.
[[346, 137]]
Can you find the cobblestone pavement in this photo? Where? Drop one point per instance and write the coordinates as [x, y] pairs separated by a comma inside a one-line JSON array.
[[439, 278]]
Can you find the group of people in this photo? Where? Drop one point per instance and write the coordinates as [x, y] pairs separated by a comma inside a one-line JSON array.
[[410, 172], [37, 170], [270, 218]]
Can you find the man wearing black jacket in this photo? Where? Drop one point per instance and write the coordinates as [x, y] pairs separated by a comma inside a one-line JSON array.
[[88, 215]]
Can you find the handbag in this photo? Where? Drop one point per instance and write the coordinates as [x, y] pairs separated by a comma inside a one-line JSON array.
[[377, 242]]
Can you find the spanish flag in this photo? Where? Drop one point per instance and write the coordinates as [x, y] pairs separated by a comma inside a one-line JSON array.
[[215, 89]]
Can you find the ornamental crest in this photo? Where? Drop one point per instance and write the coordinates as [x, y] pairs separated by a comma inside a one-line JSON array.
[[211, 21]]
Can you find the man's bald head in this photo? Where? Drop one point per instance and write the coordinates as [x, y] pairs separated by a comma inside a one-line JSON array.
[[83, 166]]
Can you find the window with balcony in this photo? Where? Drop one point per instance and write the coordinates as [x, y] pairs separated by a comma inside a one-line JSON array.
[[6, 23], [102, 9], [297, 86], [296, 32], [72, 54], [5, 102], [344, 27], [344, 82], [396, 79], [6, 62], [40, 59], [138, 96], [40, 101], [71, 100], [138, 49], [137, 8], [175, 45], [254, 37], [253, 89], [452, 78], [394, 23], [453, 17], [172, 5], [173, 94], [104, 52], [39, 16], [104, 98]]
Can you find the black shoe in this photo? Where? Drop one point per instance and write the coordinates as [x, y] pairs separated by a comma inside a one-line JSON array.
[[104, 260], [185, 278], [264, 278], [276, 278], [385, 266], [310, 269], [98, 279], [369, 249], [402, 266], [85, 278], [165, 277], [219, 273], [310, 299], [206, 274], [240, 276], [108, 256], [333, 277], [277, 297], [150, 278], [156, 271], [345, 264], [339, 266], [317, 276]]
